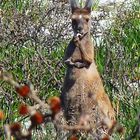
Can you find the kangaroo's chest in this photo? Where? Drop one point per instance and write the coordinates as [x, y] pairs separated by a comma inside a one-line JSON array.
[[85, 74], [76, 55]]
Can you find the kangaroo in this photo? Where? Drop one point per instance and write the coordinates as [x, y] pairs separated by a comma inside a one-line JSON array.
[[83, 91]]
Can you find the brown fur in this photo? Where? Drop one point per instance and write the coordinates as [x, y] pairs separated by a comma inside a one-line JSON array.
[[83, 91], [77, 55]]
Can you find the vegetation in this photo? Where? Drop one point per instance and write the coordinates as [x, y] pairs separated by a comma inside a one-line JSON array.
[[33, 37]]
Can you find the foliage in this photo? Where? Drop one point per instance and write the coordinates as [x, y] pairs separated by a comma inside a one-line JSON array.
[[119, 62]]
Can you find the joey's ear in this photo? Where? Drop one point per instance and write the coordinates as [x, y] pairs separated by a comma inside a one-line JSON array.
[[88, 5], [74, 5]]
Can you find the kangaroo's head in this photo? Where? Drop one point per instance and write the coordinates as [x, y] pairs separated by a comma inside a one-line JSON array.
[[81, 18]]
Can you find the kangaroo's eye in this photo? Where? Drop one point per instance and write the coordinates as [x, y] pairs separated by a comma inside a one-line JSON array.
[[87, 19], [74, 23], [74, 20]]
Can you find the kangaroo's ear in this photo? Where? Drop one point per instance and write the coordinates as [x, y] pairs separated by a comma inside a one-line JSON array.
[[88, 5], [74, 5]]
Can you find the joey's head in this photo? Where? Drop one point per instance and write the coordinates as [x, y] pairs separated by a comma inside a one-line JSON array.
[[81, 18]]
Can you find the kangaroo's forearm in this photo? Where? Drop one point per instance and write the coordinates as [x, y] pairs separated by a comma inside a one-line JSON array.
[[87, 57]]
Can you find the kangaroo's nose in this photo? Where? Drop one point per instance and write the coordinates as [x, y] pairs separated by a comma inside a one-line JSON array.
[[79, 29]]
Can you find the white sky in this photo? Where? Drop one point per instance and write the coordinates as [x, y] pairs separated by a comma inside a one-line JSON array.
[[104, 1], [109, 1]]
